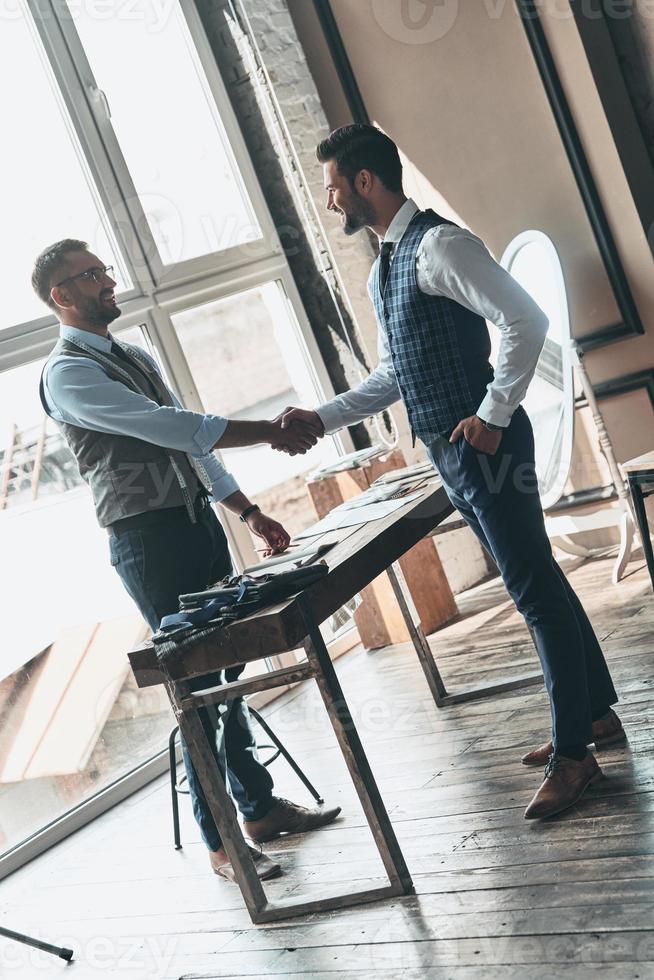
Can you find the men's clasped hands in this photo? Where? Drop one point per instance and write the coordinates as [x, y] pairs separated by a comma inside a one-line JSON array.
[[299, 431]]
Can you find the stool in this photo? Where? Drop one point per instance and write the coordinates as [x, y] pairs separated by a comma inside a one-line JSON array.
[[279, 749]]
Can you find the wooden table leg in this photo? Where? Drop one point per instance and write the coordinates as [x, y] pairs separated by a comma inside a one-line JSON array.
[[418, 638], [355, 757], [220, 802], [224, 813], [426, 657]]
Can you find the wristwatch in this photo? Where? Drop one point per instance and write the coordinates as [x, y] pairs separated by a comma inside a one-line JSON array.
[[252, 509], [490, 426]]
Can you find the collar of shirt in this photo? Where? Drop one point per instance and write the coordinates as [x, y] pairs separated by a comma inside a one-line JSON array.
[[400, 222], [91, 339]]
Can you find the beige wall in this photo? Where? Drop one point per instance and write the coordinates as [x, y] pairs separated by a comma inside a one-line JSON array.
[[463, 99]]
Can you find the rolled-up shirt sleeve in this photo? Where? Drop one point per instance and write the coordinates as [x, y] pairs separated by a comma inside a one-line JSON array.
[[86, 396], [455, 263], [223, 483]]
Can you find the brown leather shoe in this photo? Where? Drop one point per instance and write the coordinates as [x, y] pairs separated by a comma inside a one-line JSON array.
[[265, 868], [606, 731], [565, 781], [289, 818]]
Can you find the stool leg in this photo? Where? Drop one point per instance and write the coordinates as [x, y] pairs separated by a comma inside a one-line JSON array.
[[289, 758], [172, 764]]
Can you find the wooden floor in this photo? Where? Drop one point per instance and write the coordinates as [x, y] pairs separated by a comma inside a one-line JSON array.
[[496, 896]]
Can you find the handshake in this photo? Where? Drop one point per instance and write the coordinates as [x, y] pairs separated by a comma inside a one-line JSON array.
[[295, 431]]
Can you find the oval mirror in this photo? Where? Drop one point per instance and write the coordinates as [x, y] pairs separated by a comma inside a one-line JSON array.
[[533, 261]]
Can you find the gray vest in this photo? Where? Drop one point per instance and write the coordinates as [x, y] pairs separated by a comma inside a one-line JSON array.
[[439, 349], [128, 476]]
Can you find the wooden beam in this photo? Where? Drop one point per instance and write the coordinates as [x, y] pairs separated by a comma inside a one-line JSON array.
[[591, 21]]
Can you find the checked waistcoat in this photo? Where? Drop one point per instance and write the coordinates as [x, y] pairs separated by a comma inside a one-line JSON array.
[[439, 349]]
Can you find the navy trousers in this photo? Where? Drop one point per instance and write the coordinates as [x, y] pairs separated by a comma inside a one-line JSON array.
[[498, 498], [157, 564]]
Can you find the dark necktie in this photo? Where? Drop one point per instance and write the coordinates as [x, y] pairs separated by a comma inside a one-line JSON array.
[[384, 263]]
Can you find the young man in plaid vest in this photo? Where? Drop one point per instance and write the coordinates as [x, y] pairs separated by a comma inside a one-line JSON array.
[[433, 287]]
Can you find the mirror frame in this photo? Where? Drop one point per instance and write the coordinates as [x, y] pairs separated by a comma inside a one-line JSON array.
[[529, 237]]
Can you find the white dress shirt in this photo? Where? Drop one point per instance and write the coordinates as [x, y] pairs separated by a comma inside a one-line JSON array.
[[453, 262], [79, 391]]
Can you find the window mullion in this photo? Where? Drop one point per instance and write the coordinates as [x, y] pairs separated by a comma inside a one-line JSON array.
[[239, 151]]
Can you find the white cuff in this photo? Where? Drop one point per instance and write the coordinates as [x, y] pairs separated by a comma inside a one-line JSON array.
[[331, 417], [210, 430], [494, 412]]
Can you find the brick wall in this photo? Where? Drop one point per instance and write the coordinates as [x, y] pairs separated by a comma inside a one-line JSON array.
[[290, 189]]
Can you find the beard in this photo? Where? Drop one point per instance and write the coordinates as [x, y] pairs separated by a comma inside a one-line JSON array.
[[359, 214], [98, 312]]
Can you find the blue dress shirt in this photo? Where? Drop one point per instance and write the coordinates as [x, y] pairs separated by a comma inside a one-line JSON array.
[[79, 392]]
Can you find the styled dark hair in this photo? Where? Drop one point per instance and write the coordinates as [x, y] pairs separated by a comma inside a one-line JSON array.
[[50, 267], [359, 147]]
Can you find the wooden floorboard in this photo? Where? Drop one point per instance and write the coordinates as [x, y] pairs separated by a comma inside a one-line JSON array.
[[496, 896]]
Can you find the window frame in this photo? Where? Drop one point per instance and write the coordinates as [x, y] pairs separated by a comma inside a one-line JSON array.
[[156, 294], [77, 76]]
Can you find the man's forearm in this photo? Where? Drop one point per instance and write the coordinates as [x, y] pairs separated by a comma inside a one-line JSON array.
[[295, 439], [373, 395], [237, 502], [246, 434]]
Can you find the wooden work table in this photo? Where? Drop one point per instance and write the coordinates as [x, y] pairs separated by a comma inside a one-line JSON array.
[[362, 553]]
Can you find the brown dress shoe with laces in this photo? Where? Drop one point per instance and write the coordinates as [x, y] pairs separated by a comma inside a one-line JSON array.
[[607, 730], [565, 781], [289, 818]]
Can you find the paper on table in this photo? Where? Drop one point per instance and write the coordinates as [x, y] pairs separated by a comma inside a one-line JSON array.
[[349, 462], [375, 495], [392, 476], [300, 556], [360, 515]]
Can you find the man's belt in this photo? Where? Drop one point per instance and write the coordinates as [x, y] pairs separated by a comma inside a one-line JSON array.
[[166, 515]]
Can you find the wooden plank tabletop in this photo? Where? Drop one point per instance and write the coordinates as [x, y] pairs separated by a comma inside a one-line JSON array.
[[362, 553], [639, 464]]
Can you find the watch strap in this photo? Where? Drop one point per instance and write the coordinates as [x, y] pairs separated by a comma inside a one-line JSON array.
[[490, 426]]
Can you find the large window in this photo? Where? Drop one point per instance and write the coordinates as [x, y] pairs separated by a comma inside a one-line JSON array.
[[118, 131], [70, 712], [46, 191], [179, 160]]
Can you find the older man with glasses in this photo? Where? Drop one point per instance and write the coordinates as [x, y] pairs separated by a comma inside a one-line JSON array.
[[153, 475]]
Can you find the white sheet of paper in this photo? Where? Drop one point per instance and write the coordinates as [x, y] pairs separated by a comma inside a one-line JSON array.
[[360, 515]]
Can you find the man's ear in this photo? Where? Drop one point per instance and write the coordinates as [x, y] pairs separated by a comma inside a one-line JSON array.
[[363, 182], [61, 297]]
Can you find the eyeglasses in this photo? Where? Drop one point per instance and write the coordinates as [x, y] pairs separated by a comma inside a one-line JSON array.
[[95, 274]]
